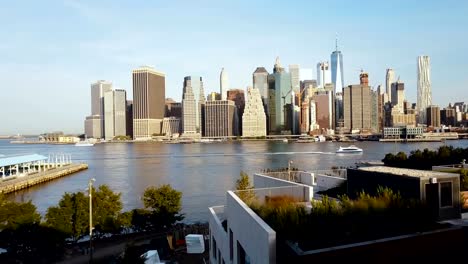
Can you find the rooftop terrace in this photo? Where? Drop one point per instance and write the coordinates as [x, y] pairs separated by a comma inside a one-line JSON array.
[[408, 172]]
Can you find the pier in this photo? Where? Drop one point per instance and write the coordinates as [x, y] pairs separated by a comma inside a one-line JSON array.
[[21, 172]]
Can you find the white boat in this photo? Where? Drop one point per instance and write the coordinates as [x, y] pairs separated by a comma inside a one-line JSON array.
[[84, 143], [350, 149]]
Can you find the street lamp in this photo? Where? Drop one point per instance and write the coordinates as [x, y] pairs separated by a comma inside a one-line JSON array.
[[289, 170], [90, 191]]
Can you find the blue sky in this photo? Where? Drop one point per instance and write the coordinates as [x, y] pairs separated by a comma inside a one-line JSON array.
[[51, 50]]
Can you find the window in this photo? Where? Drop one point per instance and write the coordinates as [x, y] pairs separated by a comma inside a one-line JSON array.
[[214, 248], [231, 246], [242, 257], [446, 194]]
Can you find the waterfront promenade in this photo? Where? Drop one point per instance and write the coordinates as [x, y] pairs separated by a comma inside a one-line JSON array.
[[19, 183]]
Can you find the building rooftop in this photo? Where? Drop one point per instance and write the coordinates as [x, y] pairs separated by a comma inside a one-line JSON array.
[[408, 172], [9, 161], [260, 70]]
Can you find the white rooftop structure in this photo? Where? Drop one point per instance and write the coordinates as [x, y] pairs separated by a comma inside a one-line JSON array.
[[407, 172]]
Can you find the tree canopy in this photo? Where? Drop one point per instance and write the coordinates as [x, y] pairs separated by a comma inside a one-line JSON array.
[[164, 205], [13, 214]]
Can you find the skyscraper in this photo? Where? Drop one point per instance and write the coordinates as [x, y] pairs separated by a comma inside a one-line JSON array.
[[389, 79], [149, 94], [398, 96], [280, 81], [357, 107], [238, 97], [433, 116], [115, 104], [223, 83], [254, 118], [424, 87], [98, 89], [260, 81], [323, 74], [220, 118], [192, 101], [295, 77], [337, 75]]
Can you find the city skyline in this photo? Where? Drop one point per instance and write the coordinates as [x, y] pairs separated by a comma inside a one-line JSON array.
[[67, 56]]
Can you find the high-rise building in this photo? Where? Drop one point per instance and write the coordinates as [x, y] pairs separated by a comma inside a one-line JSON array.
[[173, 108], [389, 79], [192, 101], [424, 87], [223, 83], [237, 95], [260, 82], [294, 71], [314, 127], [323, 74], [220, 118], [254, 118], [149, 94], [213, 96], [305, 117], [324, 105], [364, 78], [448, 116], [398, 96], [337, 74], [280, 81], [357, 107], [129, 116], [433, 116], [115, 106], [170, 126], [95, 127]]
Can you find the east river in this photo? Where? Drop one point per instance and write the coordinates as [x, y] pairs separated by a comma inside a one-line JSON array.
[[203, 172]]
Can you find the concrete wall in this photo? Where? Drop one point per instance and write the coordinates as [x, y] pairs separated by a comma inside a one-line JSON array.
[[218, 233], [256, 237], [325, 182], [263, 181]]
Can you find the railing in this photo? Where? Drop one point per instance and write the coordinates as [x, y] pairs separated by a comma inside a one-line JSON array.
[[261, 196]]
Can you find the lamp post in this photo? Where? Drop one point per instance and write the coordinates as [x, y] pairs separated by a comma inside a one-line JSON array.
[[289, 170], [90, 190]]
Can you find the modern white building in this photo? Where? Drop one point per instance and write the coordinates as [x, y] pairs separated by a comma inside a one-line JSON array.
[[389, 80], [223, 84], [246, 237], [254, 118], [424, 98], [192, 101], [115, 121], [323, 74]]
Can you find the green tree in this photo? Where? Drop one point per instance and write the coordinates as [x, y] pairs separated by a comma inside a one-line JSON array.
[[70, 216], [464, 180], [244, 188], [14, 214], [106, 209], [164, 204]]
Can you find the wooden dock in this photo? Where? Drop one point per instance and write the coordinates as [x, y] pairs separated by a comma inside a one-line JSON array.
[[19, 183]]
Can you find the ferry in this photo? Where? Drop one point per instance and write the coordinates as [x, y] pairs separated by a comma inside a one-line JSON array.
[[350, 149], [84, 143]]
